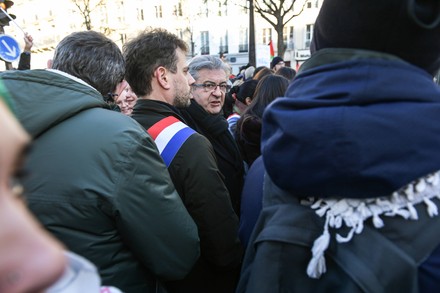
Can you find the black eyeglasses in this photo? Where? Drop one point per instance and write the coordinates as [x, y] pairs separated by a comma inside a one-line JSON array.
[[210, 86]]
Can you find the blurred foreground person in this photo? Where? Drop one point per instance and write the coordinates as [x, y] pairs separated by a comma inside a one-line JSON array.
[[96, 180], [30, 259], [352, 182]]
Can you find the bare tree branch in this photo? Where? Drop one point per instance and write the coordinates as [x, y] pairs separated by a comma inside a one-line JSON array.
[[85, 10], [277, 15]]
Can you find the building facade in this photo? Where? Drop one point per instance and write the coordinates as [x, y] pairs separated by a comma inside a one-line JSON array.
[[208, 26]]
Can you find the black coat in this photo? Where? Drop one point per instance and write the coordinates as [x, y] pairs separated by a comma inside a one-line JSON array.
[[197, 179], [24, 62], [229, 159], [248, 137]]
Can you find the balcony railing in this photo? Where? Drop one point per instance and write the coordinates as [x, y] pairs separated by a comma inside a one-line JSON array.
[[243, 48], [223, 49], [204, 50]]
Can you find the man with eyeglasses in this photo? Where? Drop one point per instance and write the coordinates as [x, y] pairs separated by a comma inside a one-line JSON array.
[[211, 86], [205, 115], [157, 71]]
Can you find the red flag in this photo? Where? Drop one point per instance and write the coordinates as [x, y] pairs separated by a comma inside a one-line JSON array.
[[272, 52]]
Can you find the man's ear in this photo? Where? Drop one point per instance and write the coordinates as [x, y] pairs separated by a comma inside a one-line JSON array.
[[49, 63], [248, 101], [161, 75]]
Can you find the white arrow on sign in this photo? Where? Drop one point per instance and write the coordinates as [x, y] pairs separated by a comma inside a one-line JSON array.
[[11, 52]]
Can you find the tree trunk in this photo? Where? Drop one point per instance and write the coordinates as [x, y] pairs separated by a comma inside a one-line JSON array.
[[252, 53], [280, 42]]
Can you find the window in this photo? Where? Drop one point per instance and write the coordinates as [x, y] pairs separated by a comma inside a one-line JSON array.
[[158, 9], [244, 10], [204, 40], [267, 35], [222, 8], [140, 14], [291, 40], [121, 14], [123, 38], [204, 10], [288, 37], [309, 33], [309, 4], [244, 43], [179, 33], [178, 9], [224, 44], [104, 15], [285, 35]]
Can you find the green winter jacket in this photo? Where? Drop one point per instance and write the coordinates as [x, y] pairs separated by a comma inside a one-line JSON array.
[[97, 182]]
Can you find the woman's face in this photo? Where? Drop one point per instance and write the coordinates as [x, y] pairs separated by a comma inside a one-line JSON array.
[[126, 100]]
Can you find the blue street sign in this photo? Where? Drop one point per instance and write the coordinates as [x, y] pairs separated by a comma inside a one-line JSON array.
[[9, 48]]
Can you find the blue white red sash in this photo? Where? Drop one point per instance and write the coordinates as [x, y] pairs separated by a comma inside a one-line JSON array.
[[169, 134]]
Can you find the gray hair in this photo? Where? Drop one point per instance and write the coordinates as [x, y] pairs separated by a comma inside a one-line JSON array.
[[91, 57], [206, 62]]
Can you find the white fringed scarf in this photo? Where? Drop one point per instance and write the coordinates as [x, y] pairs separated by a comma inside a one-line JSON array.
[[353, 213]]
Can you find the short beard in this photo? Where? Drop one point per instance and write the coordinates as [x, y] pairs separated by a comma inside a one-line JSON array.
[[182, 101]]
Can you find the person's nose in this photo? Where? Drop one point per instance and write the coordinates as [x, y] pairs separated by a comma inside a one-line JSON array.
[[217, 92], [124, 103], [191, 79]]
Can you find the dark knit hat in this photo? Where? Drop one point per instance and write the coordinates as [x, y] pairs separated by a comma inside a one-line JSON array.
[[247, 89], [275, 61], [409, 29]]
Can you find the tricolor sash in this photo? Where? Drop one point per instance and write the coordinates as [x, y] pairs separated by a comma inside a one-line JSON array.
[[169, 134]]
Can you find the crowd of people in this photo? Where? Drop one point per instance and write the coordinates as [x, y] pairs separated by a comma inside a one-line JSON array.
[[136, 170]]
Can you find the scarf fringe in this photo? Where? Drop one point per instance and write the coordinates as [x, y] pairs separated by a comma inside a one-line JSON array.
[[353, 212]]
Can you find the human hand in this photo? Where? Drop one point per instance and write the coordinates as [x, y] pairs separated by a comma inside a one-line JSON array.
[[28, 42]]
